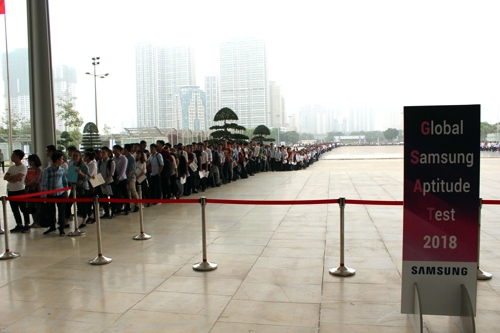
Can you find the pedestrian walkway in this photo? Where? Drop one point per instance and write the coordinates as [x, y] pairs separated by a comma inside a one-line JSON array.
[[273, 262]]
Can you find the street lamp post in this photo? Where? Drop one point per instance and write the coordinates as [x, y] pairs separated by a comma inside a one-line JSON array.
[[95, 62]]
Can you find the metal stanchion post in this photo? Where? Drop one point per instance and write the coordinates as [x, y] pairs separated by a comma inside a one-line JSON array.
[[205, 265], [8, 254], [76, 232], [141, 235], [100, 259], [481, 275], [342, 270]]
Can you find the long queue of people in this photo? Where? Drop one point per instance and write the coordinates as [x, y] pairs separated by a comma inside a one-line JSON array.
[[161, 172]]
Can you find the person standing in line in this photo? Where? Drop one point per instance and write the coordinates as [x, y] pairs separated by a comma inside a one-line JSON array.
[[121, 182], [2, 161], [156, 162], [131, 175], [106, 167], [15, 177], [54, 177], [33, 185]]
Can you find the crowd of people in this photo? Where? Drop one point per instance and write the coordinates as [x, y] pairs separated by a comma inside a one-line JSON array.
[[489, 146], [158, 171]]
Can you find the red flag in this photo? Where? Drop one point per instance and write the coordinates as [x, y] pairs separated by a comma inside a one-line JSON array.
[[2, 7]]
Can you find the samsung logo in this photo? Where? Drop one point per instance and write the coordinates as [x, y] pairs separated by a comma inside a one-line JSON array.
[[431, 270]]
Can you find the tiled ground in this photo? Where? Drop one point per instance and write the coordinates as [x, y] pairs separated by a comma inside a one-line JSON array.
[[273, 262]]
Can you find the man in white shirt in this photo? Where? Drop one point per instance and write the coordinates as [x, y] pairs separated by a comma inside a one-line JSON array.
[[15, 177]]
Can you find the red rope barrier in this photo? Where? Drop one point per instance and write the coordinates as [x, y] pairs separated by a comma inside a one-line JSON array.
[[491, 202], [37, 194], [52, 199], [373, 202], [273, 202], [146, 201]]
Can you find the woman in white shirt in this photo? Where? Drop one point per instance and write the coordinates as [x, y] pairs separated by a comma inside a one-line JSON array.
[[140, 171], [15, 177]]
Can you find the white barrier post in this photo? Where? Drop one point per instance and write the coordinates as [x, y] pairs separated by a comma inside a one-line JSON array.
[[205, 265], [100, 259], [481, 275], [141, 235], [8, 254], [342, 270], [76, 232]]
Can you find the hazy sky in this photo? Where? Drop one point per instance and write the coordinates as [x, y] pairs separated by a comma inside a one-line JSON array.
[[337, 53]]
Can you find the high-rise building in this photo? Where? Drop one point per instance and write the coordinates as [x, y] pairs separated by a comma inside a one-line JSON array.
[[313, 119], [277, 112], [244, 85], [190, 108], [19, 82], [213, 98], [361, 119], [160, 72], [64, 78]]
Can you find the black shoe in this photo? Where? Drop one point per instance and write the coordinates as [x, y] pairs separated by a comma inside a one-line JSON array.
[[112, 216], [61, 232], [217, 185], [91, 221], [49, 230], [195, 191], [127, 212], [66, 226], [148, 205], [26, 229], [104, 216], [81, 226], [16, 229], [136, 209]]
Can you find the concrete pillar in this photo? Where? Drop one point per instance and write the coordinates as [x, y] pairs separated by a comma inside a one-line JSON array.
[[40, 66]]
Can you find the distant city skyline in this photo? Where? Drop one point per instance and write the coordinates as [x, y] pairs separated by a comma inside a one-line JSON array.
[[380, 55]]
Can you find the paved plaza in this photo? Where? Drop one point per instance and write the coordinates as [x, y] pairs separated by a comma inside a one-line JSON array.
[[273, 261]]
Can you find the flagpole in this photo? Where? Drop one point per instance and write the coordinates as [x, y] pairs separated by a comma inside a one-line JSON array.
[[11, 146]]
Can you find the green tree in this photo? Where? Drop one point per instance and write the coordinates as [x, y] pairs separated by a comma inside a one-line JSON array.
[[306, 136], [223, 131], [487, 128], [67, 113], [330, 136], [391, 133], [374, 136], [91, 138], [106, 129], [290, 137], [20, 124], [259, 133]]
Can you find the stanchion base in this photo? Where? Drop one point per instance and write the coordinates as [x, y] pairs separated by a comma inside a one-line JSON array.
[[2, 231], [100, 260], [482, 275], [342, 271], [205, 266], [76, 233], [9, 255], [142, 237]]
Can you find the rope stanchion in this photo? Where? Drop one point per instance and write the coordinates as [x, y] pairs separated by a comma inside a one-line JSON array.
[[342, 270], [205, 265], [76, 232], [8, 254], [481, 275], [100, 259], [141, 235]]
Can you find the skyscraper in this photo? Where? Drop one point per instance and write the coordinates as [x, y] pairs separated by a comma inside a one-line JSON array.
[[190, 108], [277, 112], [244, 84], [64, 84], [213, 98], [160, 72], [19, 82]]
